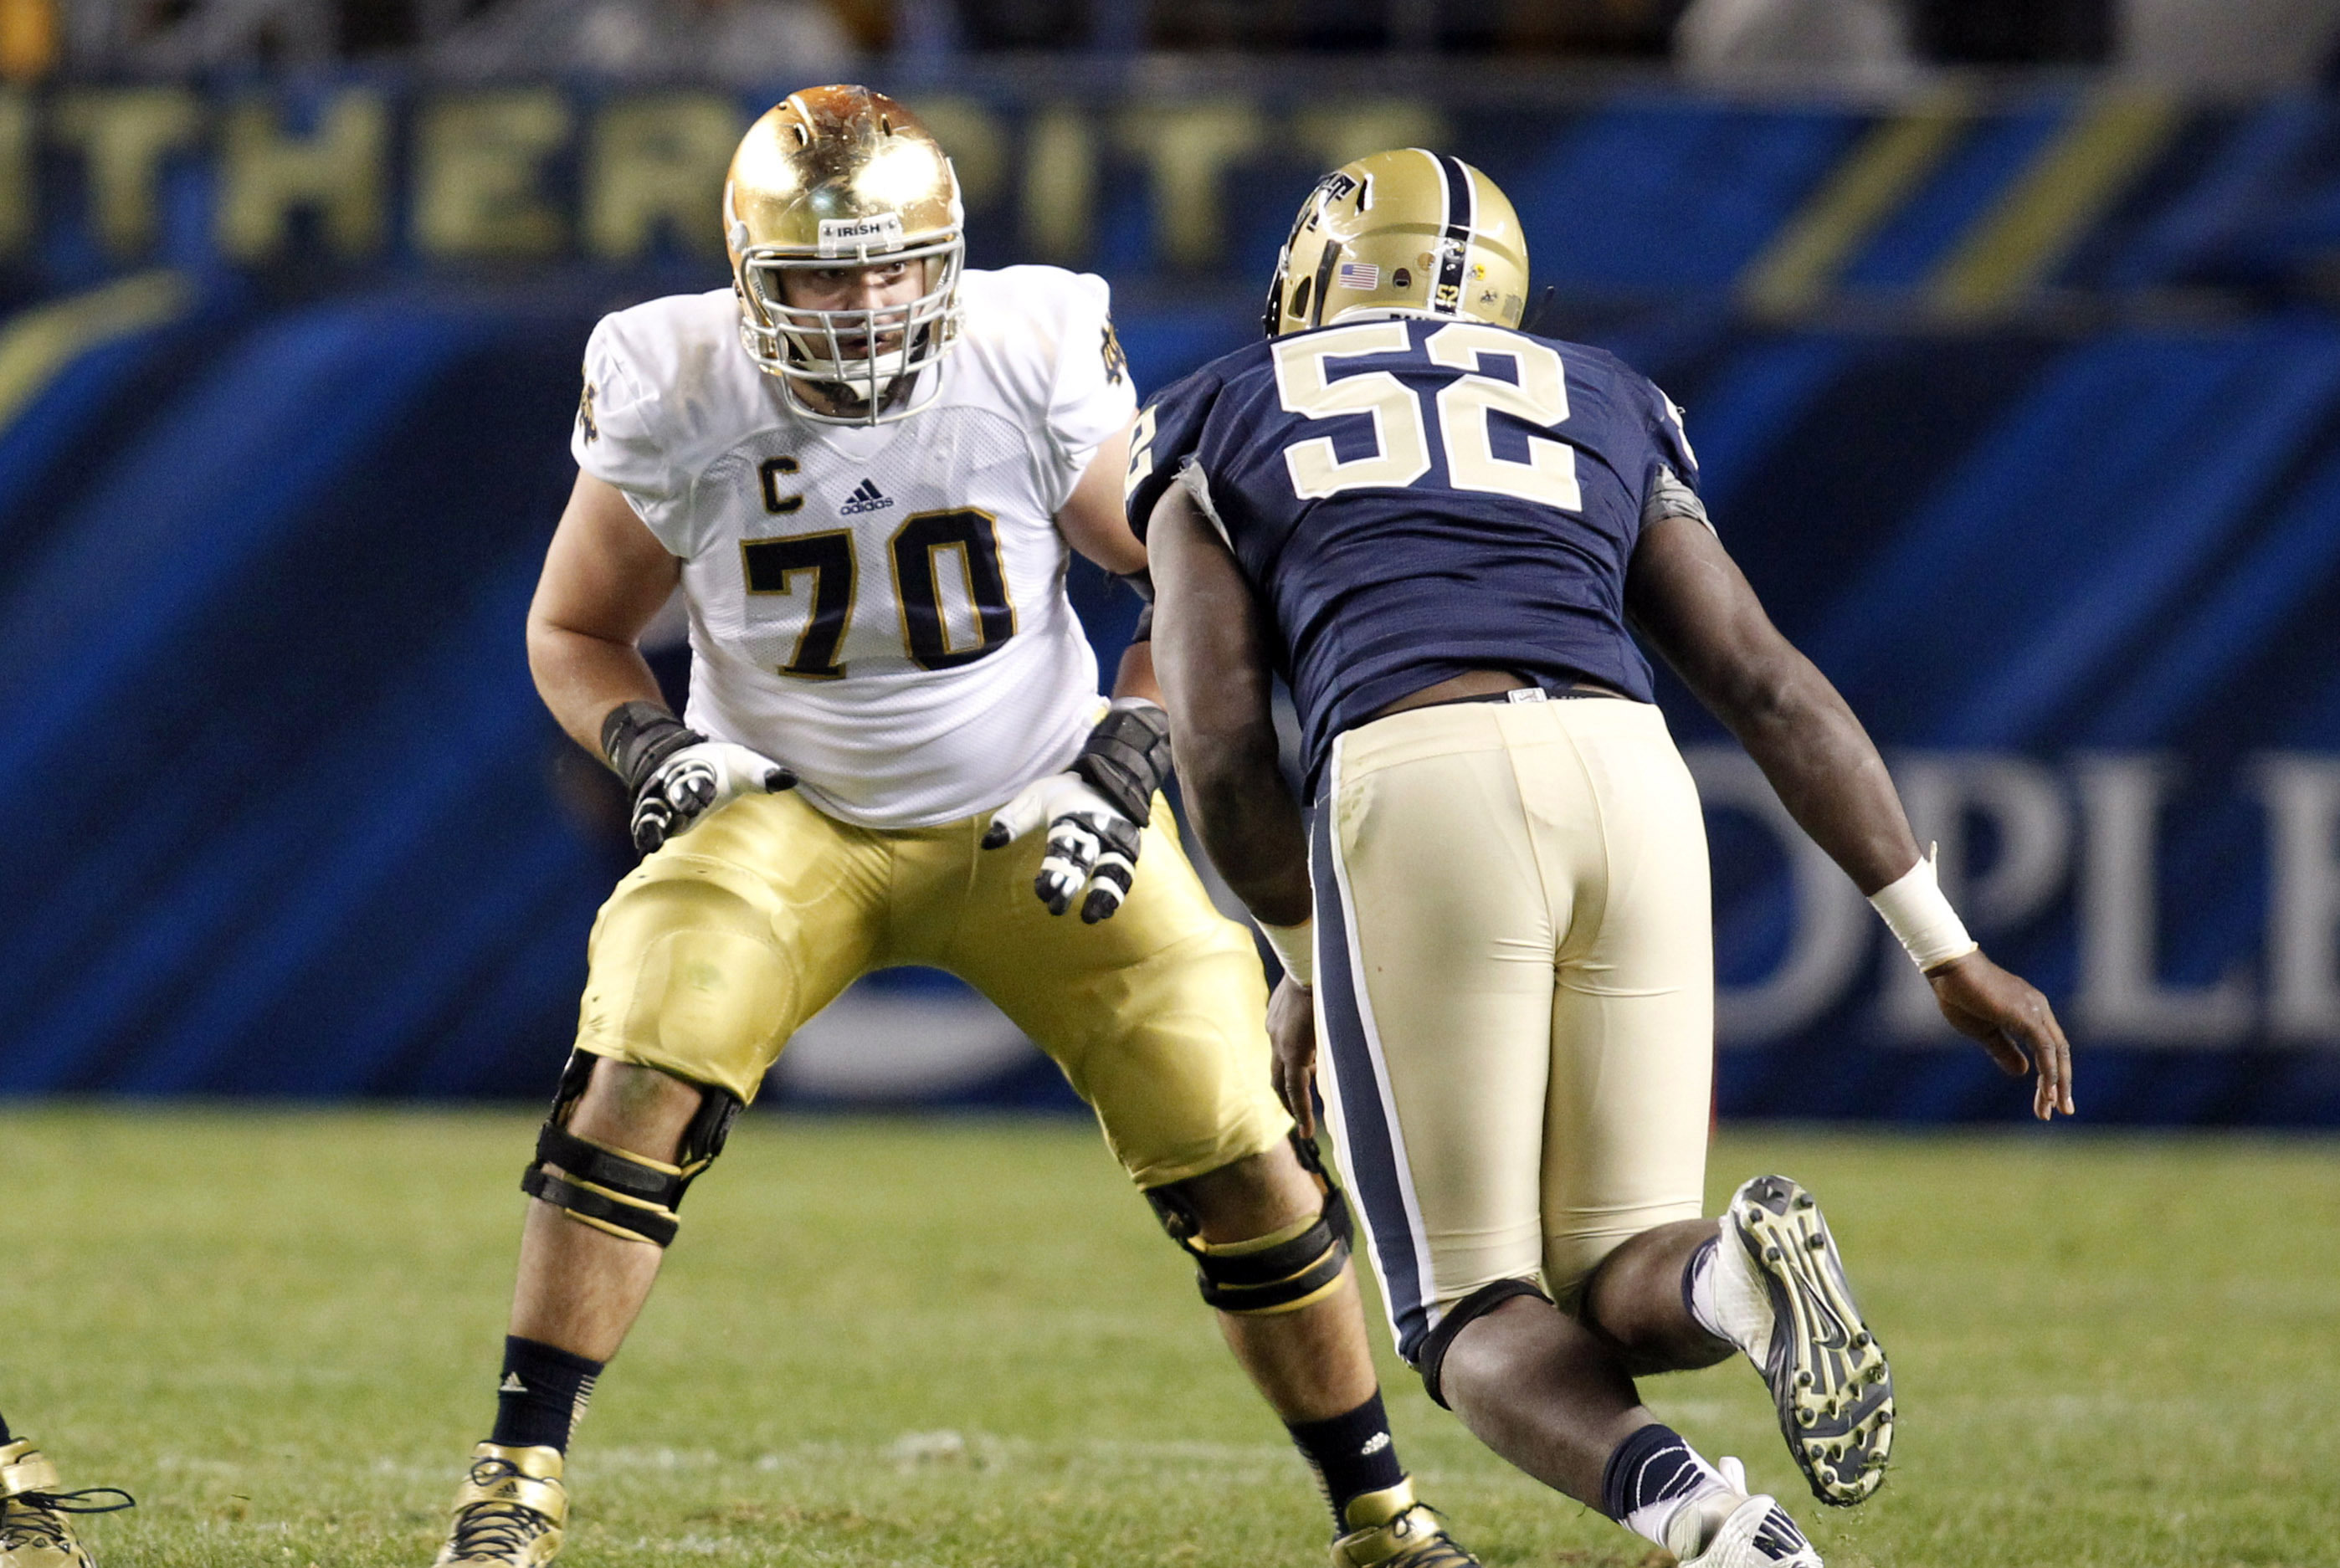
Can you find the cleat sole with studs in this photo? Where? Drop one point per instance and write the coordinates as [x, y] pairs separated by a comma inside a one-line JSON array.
[[1827, 1374]]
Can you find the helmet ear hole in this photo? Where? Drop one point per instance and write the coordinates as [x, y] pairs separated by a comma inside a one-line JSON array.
[[1299, 310]]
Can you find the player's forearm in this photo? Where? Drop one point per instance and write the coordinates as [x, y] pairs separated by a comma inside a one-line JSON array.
[[1135, 677], [1248, 822], [581, 677], [1826, 771]]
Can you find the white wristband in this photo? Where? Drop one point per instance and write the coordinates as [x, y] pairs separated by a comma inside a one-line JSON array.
[[1295, 948], [1928, 929]]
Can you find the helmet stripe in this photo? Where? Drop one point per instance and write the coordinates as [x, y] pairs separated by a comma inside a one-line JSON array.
[[1461, 212]]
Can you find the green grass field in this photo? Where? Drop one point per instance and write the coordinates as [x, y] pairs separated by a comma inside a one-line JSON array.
[[963, 1343]]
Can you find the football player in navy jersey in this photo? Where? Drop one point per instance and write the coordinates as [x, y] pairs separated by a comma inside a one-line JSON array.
[[1444, 534]]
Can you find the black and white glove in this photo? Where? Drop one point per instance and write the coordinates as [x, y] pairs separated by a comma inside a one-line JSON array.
[[678, 776], [1094, 811]]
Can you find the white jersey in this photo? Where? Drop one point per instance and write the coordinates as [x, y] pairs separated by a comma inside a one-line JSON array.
[[881, 607]]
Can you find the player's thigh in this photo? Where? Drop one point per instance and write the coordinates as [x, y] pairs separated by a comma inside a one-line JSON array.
[[1156, 1016], [718, 947], [1632, 1024], [1434, 1001]]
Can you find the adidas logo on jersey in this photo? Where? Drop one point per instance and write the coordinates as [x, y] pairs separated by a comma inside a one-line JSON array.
[[864, 497]]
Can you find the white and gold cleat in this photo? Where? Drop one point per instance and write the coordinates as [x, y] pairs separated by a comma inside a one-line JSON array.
[[1733, 1530], [35, 1527], [1827, 1374], [508, 1511], [1388, 1529]]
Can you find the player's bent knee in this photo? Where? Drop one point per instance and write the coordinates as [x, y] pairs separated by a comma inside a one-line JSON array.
[[1429, 1357], [1292, 1267], [626, 1195]]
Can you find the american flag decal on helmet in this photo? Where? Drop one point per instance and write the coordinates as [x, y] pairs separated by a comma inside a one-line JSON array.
[[1361, 276]]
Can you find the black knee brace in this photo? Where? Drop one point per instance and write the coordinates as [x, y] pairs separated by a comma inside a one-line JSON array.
[[629, 1196], [1431, 1356], [1281, 1271]]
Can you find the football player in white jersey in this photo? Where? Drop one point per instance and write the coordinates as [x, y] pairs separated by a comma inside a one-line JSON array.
[[865, 466]]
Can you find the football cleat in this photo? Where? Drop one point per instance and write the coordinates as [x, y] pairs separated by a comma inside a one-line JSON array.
[[35, 1530], [1732, 1530], [509, 1511], [1388, 1529], [1827, 1372]]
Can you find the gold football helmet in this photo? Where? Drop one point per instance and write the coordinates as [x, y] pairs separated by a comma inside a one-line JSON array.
[[1406, 232], [843, 178]]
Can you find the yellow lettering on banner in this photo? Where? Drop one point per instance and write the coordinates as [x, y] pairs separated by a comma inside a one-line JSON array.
[[125, 134], [659, 161], [30, 39], [266, 174], [1797, 271], [477, 162], [1336, 135], [1189, 150], [1059, 183], [976, 142], [15, 171], [2018, 245]]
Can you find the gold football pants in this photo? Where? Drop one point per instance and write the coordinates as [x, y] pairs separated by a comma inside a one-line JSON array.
[[1516, 994], [715, 950]]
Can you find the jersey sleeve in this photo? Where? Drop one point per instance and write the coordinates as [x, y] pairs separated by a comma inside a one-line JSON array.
[[1670, 489], [618, 439], [1169, 430], [1091, 395]]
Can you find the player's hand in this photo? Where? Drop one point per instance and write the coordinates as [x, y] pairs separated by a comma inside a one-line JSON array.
[[694, 781], [1292, 1030], [2013, 1023], [1092, 844]]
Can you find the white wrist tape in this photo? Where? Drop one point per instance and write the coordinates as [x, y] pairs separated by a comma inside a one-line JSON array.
[[1295, 948], [1928, 929]]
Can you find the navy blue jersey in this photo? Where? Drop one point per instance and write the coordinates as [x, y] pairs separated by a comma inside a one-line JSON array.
[[1414, 498]]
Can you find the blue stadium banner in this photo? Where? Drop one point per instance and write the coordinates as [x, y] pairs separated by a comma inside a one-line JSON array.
[[2021, 413]]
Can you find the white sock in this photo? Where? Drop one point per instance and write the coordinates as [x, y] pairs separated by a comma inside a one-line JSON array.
[[1649, 1523], [1727, 1295], [1651, 1477]]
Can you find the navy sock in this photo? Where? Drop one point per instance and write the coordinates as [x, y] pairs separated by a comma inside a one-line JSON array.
[[1352, 1455], [542, 1396], [4, 1438], [1653, 1465]]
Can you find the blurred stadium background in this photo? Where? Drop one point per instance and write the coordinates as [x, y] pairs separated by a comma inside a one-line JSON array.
[[2009, 333]]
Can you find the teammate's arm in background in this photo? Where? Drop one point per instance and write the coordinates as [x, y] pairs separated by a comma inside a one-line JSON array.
[[1217, 681], [605, 578], [1687, 600]]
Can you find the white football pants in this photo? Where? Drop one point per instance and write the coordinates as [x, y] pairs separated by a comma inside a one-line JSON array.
[[1516, 991]]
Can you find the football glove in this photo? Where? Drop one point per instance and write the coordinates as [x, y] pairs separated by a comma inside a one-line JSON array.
[[676, 774], [1091, 843], [1094, 811]]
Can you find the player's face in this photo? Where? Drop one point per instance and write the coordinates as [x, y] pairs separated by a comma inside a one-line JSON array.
[[891, 286]]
